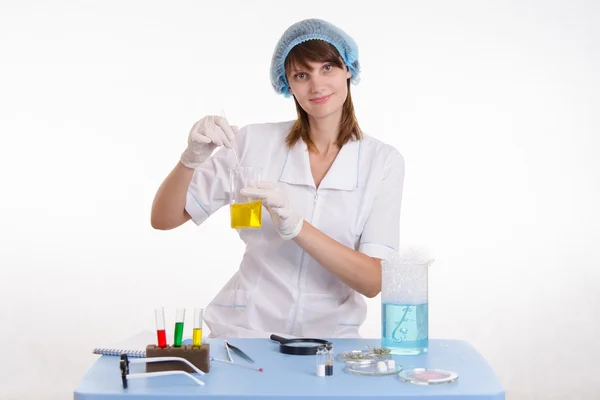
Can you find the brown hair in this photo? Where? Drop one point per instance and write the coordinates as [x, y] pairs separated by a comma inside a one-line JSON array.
[[320, 51]]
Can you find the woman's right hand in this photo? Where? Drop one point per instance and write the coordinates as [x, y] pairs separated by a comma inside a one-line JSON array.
[[204, 137]]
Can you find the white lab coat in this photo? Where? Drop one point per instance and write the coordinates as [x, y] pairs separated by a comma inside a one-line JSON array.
[[279, 288]]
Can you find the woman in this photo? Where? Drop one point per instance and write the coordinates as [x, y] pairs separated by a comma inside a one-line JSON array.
[[333, 195]]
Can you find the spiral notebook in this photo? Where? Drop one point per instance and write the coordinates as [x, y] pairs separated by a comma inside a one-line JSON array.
[[134, 346]]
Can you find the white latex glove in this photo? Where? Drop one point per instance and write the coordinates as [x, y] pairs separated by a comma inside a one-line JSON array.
[[287, 222], [205, 136]]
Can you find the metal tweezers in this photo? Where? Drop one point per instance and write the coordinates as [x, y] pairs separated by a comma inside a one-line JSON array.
[[237, 351]]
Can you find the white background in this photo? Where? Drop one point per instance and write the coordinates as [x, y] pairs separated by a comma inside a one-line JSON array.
[[494, 106]]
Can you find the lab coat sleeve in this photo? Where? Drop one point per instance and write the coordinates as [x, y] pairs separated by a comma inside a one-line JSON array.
[[209, 189], [381, 234]]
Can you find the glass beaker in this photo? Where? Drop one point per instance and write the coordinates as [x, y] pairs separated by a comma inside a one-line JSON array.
[[245, 212], [404, 304]]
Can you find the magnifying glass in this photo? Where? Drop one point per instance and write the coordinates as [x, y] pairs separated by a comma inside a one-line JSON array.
[[299, 346]]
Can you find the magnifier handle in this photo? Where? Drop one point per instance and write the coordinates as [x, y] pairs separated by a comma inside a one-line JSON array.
[[279, 339]]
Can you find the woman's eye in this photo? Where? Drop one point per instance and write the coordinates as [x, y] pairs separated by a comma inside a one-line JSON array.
[[300, 75], [328, 67]]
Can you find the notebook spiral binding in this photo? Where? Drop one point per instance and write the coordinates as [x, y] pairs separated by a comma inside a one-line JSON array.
[[117, 352]]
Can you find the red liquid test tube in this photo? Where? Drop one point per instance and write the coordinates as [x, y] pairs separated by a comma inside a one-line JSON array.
[[161, 335]]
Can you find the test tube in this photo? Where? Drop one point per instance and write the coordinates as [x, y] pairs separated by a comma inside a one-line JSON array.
[[179, 319], [161, 334], [329, 359], [197, 335], [321, 360]]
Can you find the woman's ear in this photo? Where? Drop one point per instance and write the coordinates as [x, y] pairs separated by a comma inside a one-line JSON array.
[[348, 73]]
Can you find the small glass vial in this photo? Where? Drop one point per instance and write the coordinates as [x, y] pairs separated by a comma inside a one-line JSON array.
[[321, 353], [329, 359]]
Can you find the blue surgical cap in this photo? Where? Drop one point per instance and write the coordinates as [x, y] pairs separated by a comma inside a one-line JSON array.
[[312, 29]]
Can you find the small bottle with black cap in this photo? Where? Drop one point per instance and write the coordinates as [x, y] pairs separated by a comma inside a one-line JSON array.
[[329, 359]]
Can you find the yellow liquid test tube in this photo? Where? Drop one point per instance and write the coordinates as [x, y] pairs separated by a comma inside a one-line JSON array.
[[197, 333]]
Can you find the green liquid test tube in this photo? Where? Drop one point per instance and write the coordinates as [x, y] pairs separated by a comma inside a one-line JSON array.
[[179, 320]]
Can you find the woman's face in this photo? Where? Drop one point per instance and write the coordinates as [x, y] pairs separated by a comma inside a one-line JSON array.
[[321, 90]]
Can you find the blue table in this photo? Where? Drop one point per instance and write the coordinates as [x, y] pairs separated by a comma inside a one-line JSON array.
[[294, 377]]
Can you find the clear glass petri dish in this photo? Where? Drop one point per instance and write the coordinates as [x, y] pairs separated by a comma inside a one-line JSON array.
[[427, 376], [359, 356], [370, 368]]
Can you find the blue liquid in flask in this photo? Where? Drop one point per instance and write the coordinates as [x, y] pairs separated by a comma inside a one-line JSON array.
[[405, 328]]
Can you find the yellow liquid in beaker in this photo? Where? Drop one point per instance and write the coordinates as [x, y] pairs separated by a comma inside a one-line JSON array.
[[246, 215]]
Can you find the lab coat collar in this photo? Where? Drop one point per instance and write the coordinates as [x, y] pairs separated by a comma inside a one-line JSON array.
[[343, 174]]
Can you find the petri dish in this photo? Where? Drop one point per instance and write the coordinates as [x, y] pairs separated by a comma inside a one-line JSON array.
[[369, 368], [359, 356], [427, 376]]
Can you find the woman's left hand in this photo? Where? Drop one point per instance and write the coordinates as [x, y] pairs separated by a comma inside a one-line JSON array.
[[287, 222]]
